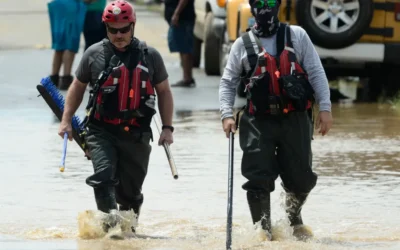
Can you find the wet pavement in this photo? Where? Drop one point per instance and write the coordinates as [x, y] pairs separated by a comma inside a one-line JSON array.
[[353, 206]]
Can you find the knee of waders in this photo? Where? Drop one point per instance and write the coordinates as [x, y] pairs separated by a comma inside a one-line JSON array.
[[303, 183], [102, 177], [257, 185]]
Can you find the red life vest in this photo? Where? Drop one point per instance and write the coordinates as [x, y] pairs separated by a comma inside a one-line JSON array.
[[124, 94], [286, 60]]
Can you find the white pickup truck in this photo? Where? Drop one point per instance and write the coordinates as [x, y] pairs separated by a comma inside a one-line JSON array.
[[208, 29]]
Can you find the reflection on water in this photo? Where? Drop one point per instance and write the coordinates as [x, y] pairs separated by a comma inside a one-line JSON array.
[[354, 204]]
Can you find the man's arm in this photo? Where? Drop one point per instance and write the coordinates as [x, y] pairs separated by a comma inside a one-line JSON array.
[[78, 87], [230, 80], [161, 85], [165, 102], [181, 5], [73, 99], [311, 62]]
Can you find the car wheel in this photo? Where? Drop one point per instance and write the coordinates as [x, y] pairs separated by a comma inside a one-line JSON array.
[[224, 52], [241, 87], [196, 52], [212, 46], [334, 24]]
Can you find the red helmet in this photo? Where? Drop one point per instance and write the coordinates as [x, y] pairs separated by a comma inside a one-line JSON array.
[[119, 11]]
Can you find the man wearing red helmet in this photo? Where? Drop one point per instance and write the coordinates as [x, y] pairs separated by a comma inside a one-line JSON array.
[[124, 73]]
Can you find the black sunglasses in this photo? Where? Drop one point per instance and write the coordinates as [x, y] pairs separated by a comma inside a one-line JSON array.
[[122, 30]]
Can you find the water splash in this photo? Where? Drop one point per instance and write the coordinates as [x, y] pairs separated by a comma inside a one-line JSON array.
[[90, 224]]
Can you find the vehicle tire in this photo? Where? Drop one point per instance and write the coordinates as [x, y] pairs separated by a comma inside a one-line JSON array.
[[241, 87], [349, 21], [224, 51], [212, 46], [196, 52]]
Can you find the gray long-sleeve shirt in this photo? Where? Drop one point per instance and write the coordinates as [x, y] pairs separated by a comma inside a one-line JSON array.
[[306, 55]]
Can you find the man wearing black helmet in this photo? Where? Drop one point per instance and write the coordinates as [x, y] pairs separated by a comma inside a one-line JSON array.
[[283, 76]]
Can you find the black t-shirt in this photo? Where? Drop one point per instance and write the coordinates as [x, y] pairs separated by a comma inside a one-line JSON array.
[[187, 13], [93, 63]]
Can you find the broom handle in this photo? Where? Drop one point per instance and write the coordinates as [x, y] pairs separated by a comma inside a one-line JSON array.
[[64, 152], [171, 161]]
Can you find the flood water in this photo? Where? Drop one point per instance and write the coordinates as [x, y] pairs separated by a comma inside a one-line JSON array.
[[354, 204]]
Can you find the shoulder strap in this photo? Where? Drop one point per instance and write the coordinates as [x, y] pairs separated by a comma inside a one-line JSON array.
[[150, 67], [280, 43], [144, 49], [108, 53], [252, 55], [258, 42], [250, 52], [280, 39], [289, 47]]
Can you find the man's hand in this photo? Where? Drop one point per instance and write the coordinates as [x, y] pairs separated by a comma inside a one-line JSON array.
[[228, 124], [72, 101], [87, 154], [324, 122], [166, 136], [65, 127], [175, 20]]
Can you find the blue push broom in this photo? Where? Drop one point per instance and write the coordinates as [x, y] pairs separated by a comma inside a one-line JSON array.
[[55, 101]]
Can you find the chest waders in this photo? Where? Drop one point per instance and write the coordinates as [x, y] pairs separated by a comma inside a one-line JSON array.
[[120, 149], [276, 130]]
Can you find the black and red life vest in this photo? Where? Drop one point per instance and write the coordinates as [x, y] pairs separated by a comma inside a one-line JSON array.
[[284, 64], [127, 97]]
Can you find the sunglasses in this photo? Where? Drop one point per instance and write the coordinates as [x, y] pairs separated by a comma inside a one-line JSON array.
[[262, 3], [122, 30]]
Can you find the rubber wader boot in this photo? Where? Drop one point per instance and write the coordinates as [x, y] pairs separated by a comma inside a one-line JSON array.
[[65, 82], [260, 209], [136, 208], [105, 200], [54, 79], [294, 204]]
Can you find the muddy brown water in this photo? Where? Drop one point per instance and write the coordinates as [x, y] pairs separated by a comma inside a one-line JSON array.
[[354, 205]]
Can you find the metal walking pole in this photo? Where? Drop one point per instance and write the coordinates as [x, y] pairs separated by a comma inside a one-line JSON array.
[[230, 193], [168, 152]]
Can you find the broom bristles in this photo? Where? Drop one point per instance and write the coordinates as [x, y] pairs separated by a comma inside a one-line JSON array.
[[59, 100]]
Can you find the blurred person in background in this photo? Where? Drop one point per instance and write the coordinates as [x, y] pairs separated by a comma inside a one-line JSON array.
[[180, 16], [66, 23], [94, 29]]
